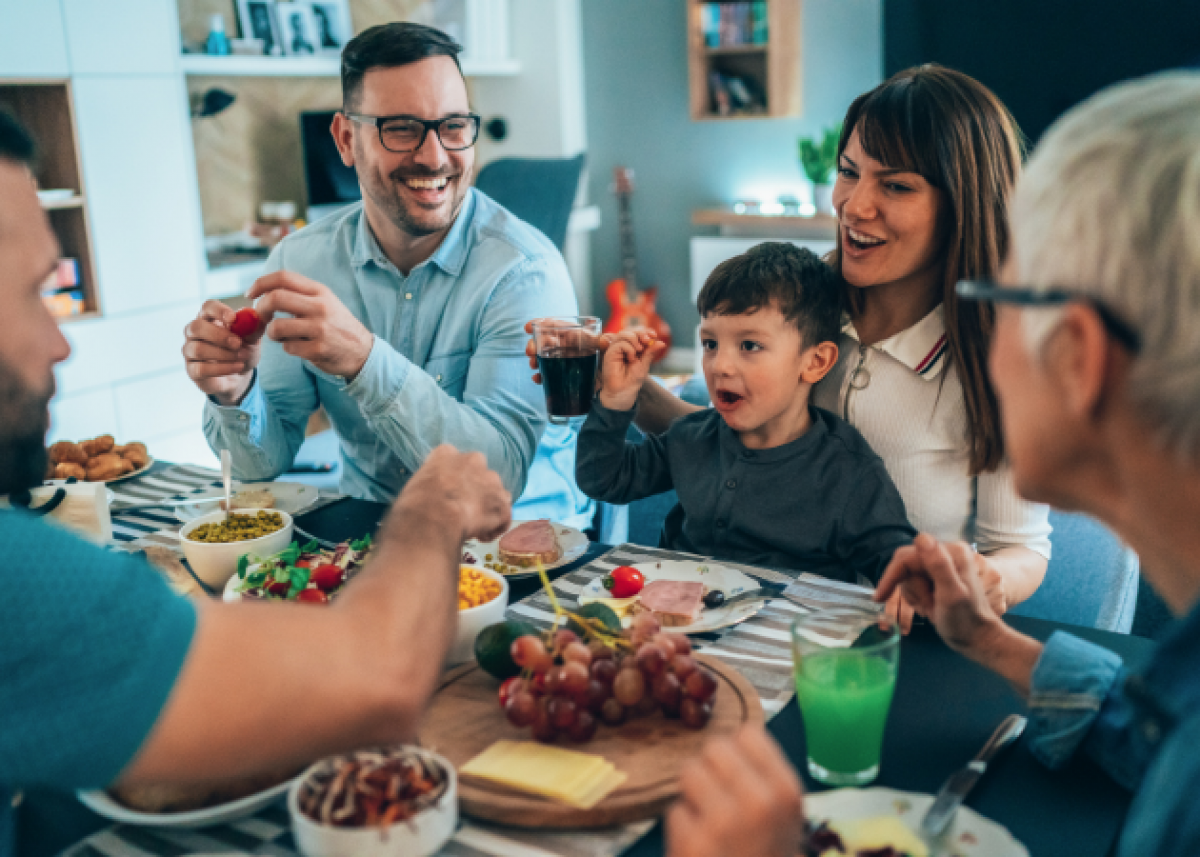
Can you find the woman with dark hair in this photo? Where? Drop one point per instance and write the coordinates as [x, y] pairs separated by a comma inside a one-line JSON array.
[[926, 164]]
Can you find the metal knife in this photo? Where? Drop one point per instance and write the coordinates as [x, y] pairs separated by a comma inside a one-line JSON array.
[[766, 592], [955, 789]]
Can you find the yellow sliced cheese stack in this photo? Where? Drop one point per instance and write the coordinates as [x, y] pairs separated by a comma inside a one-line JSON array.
[[879, 832], [580, 780]]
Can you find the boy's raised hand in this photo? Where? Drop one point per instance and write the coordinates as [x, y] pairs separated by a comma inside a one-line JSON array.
[[626, 366]]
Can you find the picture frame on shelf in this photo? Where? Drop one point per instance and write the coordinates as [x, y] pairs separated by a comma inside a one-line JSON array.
[[297, 29], [333, 26], [257, 20]]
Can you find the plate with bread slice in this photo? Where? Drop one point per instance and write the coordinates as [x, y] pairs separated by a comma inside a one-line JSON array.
[[290, 497], [518, 552]]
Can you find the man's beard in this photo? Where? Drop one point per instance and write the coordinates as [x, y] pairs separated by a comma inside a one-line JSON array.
[[23, 426], [417, 222]]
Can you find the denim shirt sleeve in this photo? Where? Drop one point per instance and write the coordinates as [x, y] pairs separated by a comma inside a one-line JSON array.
[[265, 431], [1078, 700], [502, 413]]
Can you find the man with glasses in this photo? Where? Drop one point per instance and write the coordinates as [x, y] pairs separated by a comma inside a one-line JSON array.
[[404, 316]]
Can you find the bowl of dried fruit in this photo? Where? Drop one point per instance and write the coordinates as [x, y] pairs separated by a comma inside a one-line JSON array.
[[390, 802]]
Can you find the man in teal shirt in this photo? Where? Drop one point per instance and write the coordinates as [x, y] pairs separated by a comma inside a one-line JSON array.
[[106, 675], [404, 316]]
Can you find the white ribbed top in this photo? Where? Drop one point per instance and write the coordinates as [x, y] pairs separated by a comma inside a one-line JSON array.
[[905, 397]]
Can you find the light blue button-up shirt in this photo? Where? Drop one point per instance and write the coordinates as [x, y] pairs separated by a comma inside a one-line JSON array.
[[448, 364]]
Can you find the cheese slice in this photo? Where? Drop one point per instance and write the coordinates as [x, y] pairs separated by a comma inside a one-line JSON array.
[[880, 831], [578, 779]]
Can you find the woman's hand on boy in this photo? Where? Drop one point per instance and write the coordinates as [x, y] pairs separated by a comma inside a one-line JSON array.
[[626, 366]]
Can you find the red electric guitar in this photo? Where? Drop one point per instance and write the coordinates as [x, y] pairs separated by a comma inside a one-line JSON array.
[[630, 307]]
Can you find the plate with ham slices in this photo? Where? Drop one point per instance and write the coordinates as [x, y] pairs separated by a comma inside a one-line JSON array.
[[675, 591], [518, 552]]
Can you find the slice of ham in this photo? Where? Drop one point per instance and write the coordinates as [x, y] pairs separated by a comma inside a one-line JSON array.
[[675, 602], [530, 543]]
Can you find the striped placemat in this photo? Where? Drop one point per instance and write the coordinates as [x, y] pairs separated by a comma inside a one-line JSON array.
[[143, 527], [759, 648]]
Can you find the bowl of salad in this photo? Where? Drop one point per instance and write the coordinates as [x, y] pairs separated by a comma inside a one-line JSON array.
[[301, 572]]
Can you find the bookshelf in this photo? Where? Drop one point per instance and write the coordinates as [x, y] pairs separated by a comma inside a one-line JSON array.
[[47, 109], [744, 59]]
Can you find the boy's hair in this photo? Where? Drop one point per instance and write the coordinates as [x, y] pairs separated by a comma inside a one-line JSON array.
[[794, 280], [388, 46]]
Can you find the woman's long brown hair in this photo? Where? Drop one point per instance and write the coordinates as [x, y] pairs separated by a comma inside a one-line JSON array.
[[957, 135]]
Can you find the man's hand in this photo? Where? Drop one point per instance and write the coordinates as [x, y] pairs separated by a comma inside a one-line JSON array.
[[625, 367], [220, 363], [602, 343], [458, 492], [901, 611], [739, 797], [321, 330], [944, 581]]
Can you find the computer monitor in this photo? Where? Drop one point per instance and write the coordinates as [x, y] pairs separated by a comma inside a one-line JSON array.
[[331, 184]]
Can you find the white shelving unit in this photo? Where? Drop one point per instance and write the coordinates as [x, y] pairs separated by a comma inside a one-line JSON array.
[[198, 65]]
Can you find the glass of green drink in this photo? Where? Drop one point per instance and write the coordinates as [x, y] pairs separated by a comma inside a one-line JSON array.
[[845, 664]]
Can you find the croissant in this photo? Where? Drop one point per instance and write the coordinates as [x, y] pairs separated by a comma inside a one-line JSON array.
[[108, 465], [67, 452], [99, 445], [69, 470]]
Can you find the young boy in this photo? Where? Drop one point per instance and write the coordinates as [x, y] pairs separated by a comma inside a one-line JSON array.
[[763, 477]]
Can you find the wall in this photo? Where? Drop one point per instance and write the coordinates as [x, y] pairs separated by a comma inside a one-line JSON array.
[[636, 86]]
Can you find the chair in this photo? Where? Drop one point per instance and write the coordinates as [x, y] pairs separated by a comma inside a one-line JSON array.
[[540, 191], [1092, 579], [319, 449]]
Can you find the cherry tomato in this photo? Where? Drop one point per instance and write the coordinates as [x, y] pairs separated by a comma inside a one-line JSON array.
[[279, 587], [326, 577], [312, 596], [508, 687], [304, 563], [624, 582], [245, 323]]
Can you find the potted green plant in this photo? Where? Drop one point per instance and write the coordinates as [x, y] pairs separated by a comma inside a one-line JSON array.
[[818, 159]]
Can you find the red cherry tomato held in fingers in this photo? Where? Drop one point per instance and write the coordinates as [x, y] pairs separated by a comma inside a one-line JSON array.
[[245, 323], [326, 577], [624, 582], [312, 596]]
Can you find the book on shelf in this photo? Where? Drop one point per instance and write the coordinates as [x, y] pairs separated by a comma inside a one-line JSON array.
[[726, 25]]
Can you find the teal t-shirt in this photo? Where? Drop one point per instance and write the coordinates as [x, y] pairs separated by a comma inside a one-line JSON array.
[[91, 642]]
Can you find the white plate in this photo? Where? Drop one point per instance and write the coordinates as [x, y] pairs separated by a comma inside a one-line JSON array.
[[728, 580], [290, 497], [573, 543], [969, 833], [99, 802]]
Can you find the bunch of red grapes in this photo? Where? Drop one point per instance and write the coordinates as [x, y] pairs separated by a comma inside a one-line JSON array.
[[568, 687]]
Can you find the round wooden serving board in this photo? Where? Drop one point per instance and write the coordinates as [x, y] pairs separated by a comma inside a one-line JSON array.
[[465, 719]]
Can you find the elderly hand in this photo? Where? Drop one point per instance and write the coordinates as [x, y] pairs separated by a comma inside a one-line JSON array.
[[740, 797], [219, 362], [945, 582], [458, 491], [321, 329]]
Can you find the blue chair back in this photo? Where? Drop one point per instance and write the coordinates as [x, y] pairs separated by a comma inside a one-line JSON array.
[[1092, 579], [540, 191]]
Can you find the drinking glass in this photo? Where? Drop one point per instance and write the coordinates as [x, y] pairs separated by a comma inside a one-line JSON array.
[[568, 357], [845, 663]]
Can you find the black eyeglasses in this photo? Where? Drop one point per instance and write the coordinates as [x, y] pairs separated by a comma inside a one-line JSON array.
[[984, 290], [401, 134]]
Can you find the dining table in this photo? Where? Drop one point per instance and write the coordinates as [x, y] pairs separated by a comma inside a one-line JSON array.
[[943, 711]]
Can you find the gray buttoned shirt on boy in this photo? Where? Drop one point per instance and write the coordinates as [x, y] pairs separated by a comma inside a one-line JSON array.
[[823, 503]]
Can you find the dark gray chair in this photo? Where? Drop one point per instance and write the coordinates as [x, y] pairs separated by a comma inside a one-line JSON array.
[[1092, 579], [540, 191]]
